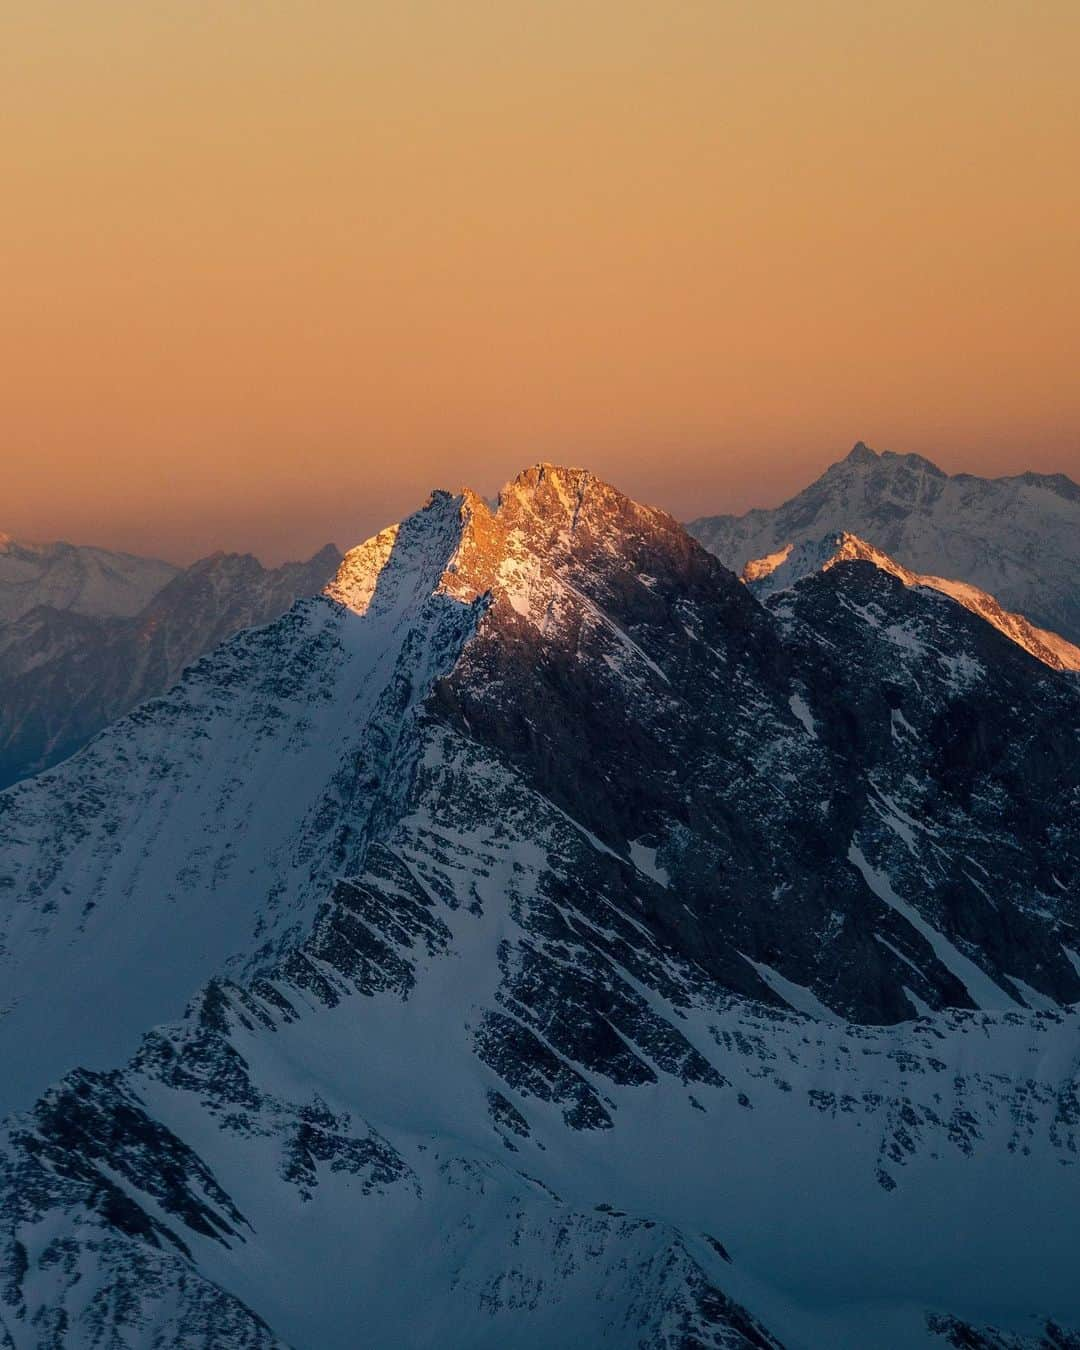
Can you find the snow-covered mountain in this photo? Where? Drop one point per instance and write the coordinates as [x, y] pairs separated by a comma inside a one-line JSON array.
[[76, 578], [590, 954], [781, 570], [1016, 538], [65, 675]]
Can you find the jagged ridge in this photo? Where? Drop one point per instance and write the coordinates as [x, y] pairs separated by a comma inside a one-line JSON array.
[[1017, 538], [780, 570]]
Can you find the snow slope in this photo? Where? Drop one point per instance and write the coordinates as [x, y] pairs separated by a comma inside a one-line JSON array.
[[353, 1157], [198, 832]]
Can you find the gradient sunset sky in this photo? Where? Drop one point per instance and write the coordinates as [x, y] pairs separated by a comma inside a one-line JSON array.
[[271, 270]]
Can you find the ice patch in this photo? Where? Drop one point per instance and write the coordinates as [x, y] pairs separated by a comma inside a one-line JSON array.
[[922, 1008], [897, 819], [1032, 997], [801, 710], [900, 725], [982, 989], [963, 670], [900, 636], [899, 954], [644, 859], [800, 998]]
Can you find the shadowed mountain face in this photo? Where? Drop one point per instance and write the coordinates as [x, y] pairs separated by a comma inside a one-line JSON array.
[[1017, 538], [65, 674], [579, 951]]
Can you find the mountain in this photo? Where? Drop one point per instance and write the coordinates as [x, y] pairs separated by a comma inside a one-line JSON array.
[[1016, 538], [576, 950], [79, 580], [780, 571], [64, 675]]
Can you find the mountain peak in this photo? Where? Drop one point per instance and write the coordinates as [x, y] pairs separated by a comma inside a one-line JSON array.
[[547, 518], [1017, 538], [1059, 483], [564, 490], [788, 566], [566, 476], [553, 490], [329, 553], [565, 514], [862, 455], [416, 550], [911, 460], [81, 579]]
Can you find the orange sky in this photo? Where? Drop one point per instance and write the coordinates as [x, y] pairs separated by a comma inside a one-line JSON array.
[[270, 269]]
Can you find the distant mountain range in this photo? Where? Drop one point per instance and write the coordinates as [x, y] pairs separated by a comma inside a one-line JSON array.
[[76, 579], [539, 939], [87, 634], [84, 653], [1016, 538]]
